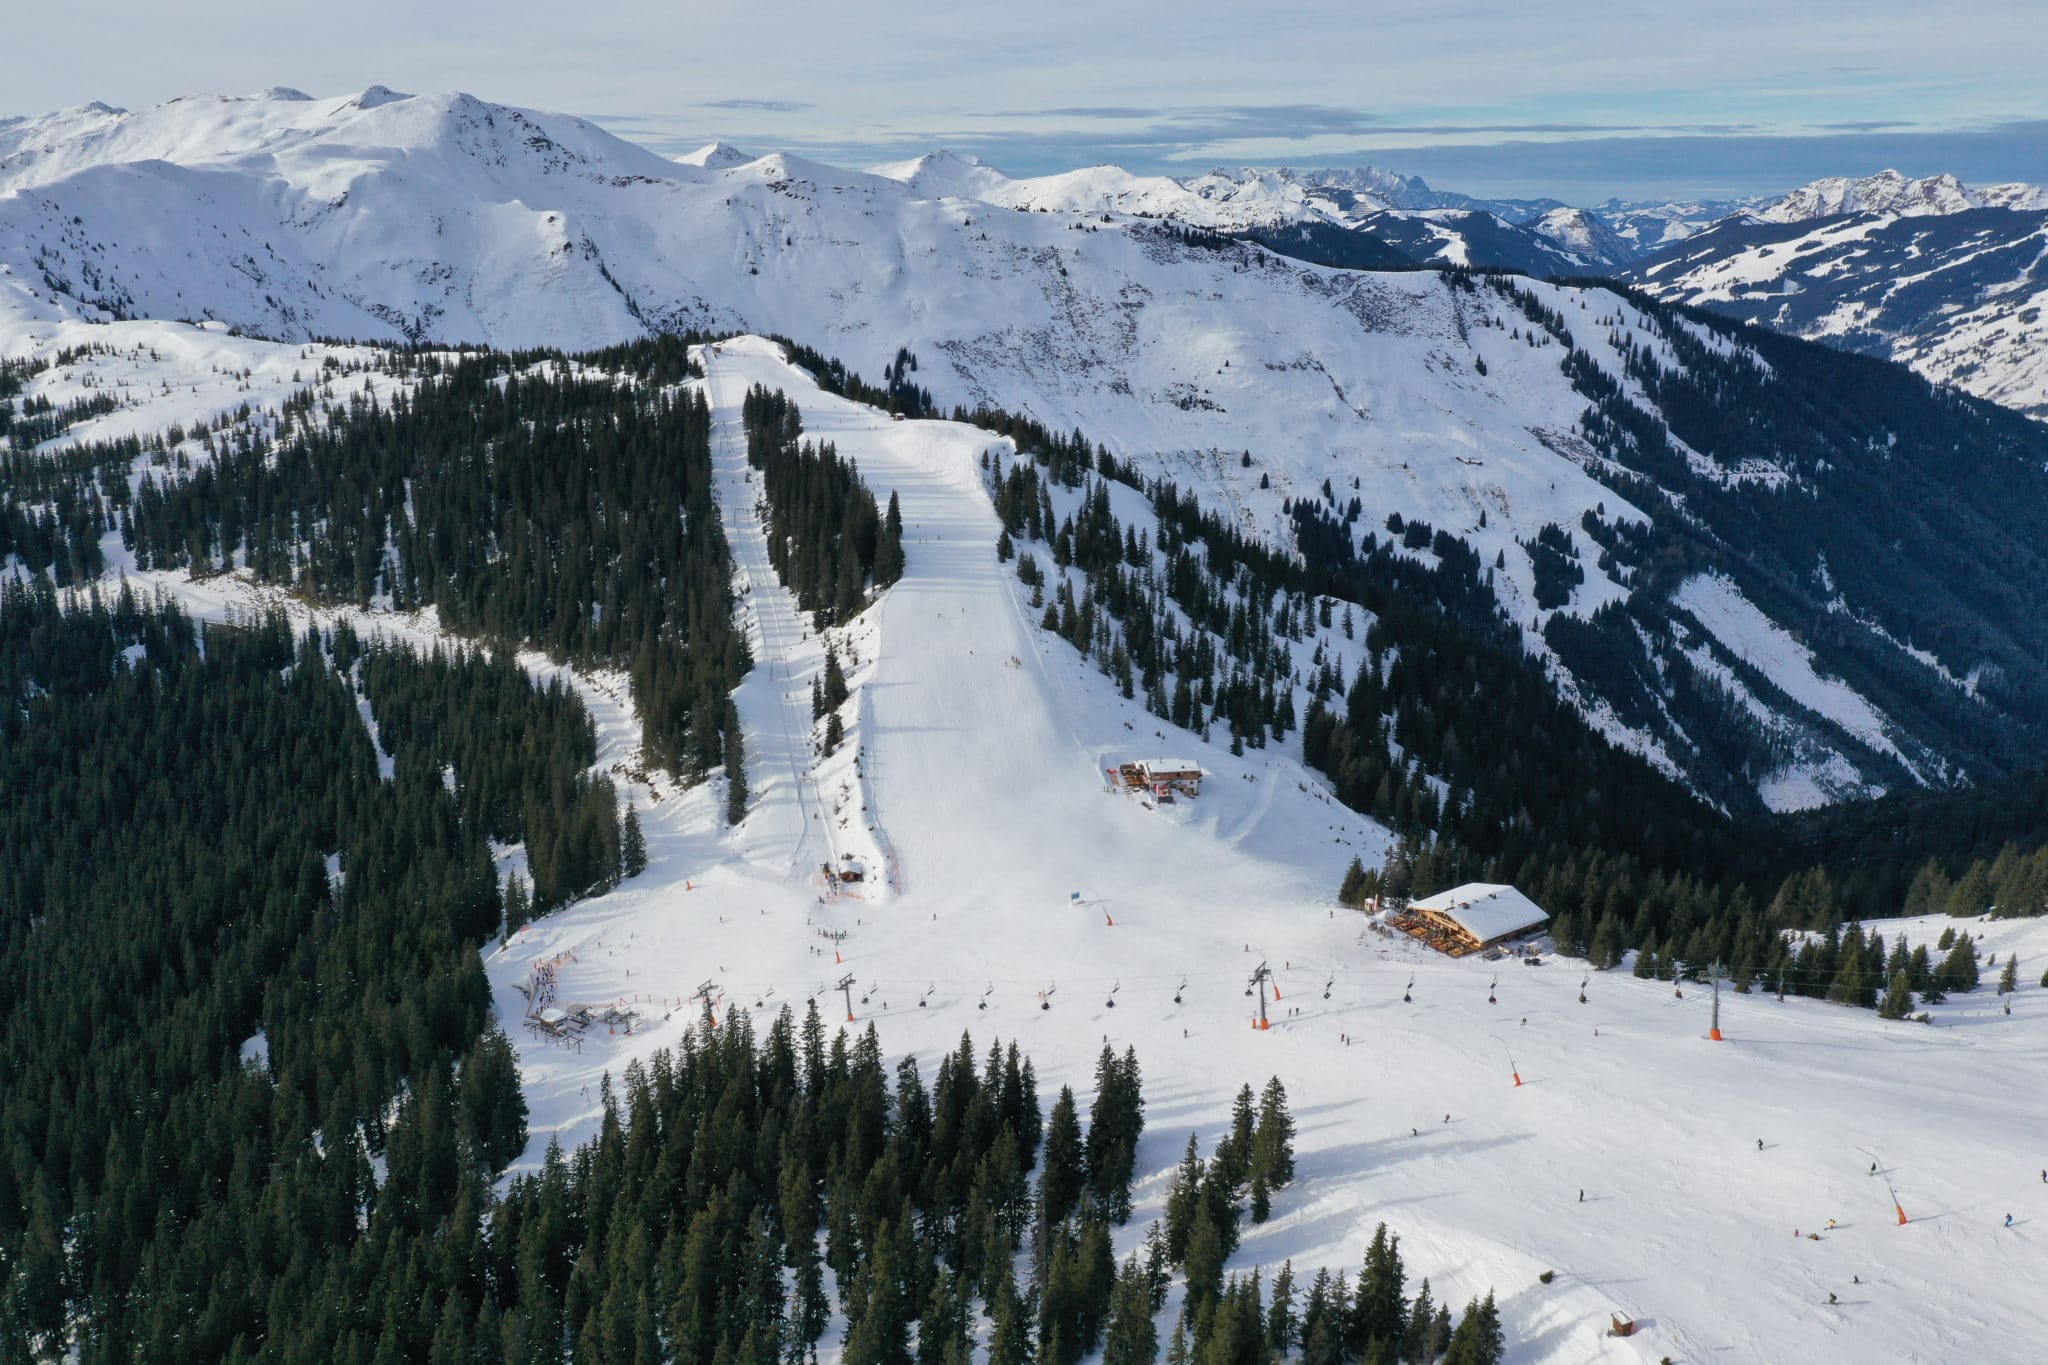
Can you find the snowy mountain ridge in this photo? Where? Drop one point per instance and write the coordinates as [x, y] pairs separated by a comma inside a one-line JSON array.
[[1890, 192], [1250, 379], [1950, 288]]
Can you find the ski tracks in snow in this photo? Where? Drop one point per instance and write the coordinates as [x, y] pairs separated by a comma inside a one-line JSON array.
[[786, 821]]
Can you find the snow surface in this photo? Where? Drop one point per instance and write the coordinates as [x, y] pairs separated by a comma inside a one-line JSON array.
[[982, 741], [1718, 605]]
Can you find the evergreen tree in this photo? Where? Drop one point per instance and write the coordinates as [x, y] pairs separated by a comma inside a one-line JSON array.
[[1115, 1121], [889, 546], [1062, 1171], [1233, 1163], [1852, 985], [1423, 1342], [1478, 1339], [1958, 971], [1010, 1341], [1379, 1313], [1205, 1257], [1273, 1143], [735, 771], [518, 906], [1323, 1320], [835, 681], [1132, 1339], [632, 845], [1971, 895], [1177, 1346], [1183, 1199], [1898, 999], [1353, 890], [1282, 1330]]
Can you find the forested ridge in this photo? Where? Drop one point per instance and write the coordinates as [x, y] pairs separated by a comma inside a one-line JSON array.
[[563, 506], [827, 539], [171, 801], [198, 855]]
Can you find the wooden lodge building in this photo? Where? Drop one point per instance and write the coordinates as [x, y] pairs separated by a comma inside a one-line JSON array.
[[1162, 777], [1470, 918]]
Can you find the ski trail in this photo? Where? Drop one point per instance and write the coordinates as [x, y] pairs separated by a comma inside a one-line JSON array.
[[892, 864], [785, 826]]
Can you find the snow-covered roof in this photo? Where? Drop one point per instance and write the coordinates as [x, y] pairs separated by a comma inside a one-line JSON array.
[[1170, 765], [1484, 910]]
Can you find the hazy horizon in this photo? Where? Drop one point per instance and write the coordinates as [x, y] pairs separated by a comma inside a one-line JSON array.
[[1485, 97]]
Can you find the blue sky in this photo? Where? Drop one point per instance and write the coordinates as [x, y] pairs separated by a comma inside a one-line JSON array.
[[1571, 98]]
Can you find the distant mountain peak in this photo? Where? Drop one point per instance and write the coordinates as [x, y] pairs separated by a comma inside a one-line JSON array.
[[375, 97], [716, 156], [1888, 191]]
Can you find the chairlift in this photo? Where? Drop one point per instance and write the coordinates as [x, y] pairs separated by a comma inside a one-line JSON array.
[[1178, 989], [1327, 984], [1111, 1002], [983, 1004]]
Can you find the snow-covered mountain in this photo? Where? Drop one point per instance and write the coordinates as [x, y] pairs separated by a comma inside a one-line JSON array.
[[1782, 574], [1581, 232], [1943, 278], [1500, 414], [1356, 216], [715, 156], [1889, 192]]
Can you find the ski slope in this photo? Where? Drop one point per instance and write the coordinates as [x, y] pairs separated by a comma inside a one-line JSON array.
[[1025, 902]]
